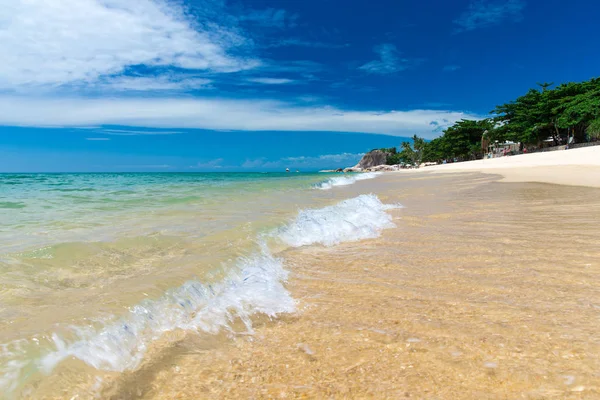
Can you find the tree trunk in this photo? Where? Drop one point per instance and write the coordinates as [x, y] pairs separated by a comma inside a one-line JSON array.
[[556, 136]]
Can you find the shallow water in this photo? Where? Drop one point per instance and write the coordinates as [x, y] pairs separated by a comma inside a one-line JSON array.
[[483, 290], [97, 268], [474, 289]]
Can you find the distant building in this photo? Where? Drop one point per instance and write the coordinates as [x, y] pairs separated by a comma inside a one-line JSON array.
[[497, 149]]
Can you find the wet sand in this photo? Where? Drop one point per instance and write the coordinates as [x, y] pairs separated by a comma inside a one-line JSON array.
[[484, 290]]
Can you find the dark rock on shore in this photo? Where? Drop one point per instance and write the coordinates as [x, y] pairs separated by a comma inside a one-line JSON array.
[[372, 159]]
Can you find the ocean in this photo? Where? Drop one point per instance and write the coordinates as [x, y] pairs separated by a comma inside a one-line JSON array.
[[96, 269]]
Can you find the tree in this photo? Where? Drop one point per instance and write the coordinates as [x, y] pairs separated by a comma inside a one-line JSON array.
[[579, 107], [418, 147], [593, 130], [545, 85], [462, 141], [407, 154], [412, 154], [569, 108], [537, 115], [434, 151]]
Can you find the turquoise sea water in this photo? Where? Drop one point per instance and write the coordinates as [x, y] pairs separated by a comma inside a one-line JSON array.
[[49, 208], [97, 267]]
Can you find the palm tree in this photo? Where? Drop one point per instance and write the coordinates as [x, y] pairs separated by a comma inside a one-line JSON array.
[[545, 85]]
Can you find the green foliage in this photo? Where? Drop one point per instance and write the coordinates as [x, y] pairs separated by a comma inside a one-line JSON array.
[[593, 130], [411, 154], [394, 159], [565, 110], [568, 109], [462, 141], [407, 154]]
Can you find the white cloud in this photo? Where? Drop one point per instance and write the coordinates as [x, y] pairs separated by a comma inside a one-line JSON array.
[[127, 132], [144, 83], [145, 166], [212, 164], [49, 43], [270, 17], [256, 163], [97, 138], [271, 81], [217, 114], [482, 13], [295, 42], [304, 162], [300, 66], [389, 62]]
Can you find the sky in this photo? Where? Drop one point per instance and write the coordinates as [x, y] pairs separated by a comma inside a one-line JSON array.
[[264, 85]]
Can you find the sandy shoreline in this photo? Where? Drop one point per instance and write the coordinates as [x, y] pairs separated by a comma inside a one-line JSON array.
[[575, 167], [483, 290]]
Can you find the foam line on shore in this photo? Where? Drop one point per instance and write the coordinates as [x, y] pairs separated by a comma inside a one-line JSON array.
[[346, 180]]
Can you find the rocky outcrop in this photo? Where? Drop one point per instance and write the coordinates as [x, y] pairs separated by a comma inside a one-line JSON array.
[[372, 159], [382, 168], [339, 170]]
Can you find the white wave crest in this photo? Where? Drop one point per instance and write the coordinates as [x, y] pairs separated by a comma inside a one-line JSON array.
[[346, 180], [362, 217], [255, 286]]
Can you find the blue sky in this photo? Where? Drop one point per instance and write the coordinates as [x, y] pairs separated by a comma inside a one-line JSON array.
[[214, 85]]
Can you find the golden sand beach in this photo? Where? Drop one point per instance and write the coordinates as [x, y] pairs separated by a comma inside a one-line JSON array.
[[576, 167], [485, 290]]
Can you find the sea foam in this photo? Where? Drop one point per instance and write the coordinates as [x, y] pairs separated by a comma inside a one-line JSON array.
[[255, 286], [346, 180], [362, 217]]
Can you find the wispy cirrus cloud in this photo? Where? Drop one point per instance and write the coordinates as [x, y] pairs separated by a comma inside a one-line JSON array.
[[486, 13], [217, 163], [256, 163], [304, 162], [270, 18], [271, 81], [215, 114], [296, 42], [389, 61], [325, 158], [154, 83], [145, 166], [299, 66], [126, 132], [97, 139], [53, 43]]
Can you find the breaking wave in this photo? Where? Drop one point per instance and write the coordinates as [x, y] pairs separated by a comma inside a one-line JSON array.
[[346, 180], [362, 217], [254, 286]]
